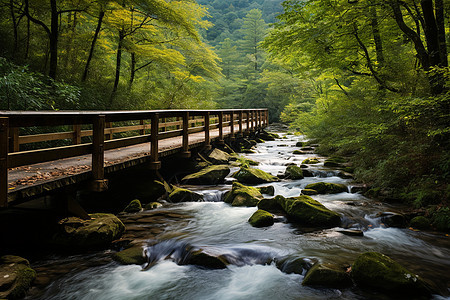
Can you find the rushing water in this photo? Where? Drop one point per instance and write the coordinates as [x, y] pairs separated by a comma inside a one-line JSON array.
[[221, 229]]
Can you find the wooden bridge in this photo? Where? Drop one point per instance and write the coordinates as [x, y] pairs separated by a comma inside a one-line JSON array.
[[83, 146]]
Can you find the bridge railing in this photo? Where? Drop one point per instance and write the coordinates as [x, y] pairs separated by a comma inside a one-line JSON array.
[[94, 132]]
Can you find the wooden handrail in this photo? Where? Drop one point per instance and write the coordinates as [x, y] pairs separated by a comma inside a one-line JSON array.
[[161, 124]]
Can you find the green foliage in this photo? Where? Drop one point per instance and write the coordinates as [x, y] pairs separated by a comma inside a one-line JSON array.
[[22, 89]]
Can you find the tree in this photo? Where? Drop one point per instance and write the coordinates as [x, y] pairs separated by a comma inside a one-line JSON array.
[[254, 29]]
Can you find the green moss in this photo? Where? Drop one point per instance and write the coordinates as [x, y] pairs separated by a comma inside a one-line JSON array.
[[130, 256], [307, 211], [16, 276], [334, 162], [441, 219], [379, 272], [261, 218], [294, 172], [268, 190], [209, 175], [253, 176], [310, 161], [218, 156], [241, 195], [309, 192], [299, 152], [327, 275], [133, 206], [327, 188], [244, 162], [99, 231], [420, 222], [152, 205], [184, 195], [270, 204]]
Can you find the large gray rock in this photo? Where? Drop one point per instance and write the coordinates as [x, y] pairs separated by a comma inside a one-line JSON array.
[[241, 195], [209, 175], [184, 195]]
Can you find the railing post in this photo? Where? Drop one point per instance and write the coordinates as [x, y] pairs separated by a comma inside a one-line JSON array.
[[186, 153], [232, 125], [4, 132], [14, 139], [240, 124], [252, 124], [98, 154], [259, 119], [207, 133], [76, 139], [155, 164], [220, 116]]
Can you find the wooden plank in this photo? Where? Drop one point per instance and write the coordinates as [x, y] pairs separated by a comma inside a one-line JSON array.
[[240, 122], [220, 127], [44, 137], [108, 131], [98, 148], [142, 130], [232, 124], [125, 142], [24, 158], [14, 139], [170, 134], [4, 136]]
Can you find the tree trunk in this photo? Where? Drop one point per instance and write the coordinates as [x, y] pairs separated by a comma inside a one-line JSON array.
[[13, 18], [53, 40], [118, 65], [440, 22], [94, 40], [376, 34], [133, 69]]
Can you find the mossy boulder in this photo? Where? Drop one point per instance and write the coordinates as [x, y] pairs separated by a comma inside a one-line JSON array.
[[310, 161], [242, 161], [261, 218], [218, 157], [16, 277], [99, 231], [392, 219], [294, 172], [133, 207], [253, 176], [309, 192], [307, 211], [209, 175], [334, 162], [184, 195], [204, 259], [267, 136], [130, 256], [241, 195], [327, 188], [152, 205], [420, 222], [379, 272], [268, 190], [300, 144], [327, 275], [299, 152], [270, 204]]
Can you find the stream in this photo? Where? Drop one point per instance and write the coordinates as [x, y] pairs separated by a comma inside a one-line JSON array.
[[220, 228]]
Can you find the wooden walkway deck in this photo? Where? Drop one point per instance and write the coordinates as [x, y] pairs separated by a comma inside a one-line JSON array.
[[32, 173]]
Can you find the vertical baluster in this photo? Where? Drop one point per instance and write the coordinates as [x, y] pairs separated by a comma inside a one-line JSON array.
[[240, 123], [232, 125], [76, 139], [14, 139]]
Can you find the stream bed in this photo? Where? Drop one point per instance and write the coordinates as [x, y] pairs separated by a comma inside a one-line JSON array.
[[223, 229]]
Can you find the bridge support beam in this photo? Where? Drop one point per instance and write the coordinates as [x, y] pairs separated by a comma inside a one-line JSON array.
[[99, 183], [207, 132], [186, 153], [220, 141], [155, 164], [4, 132]]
